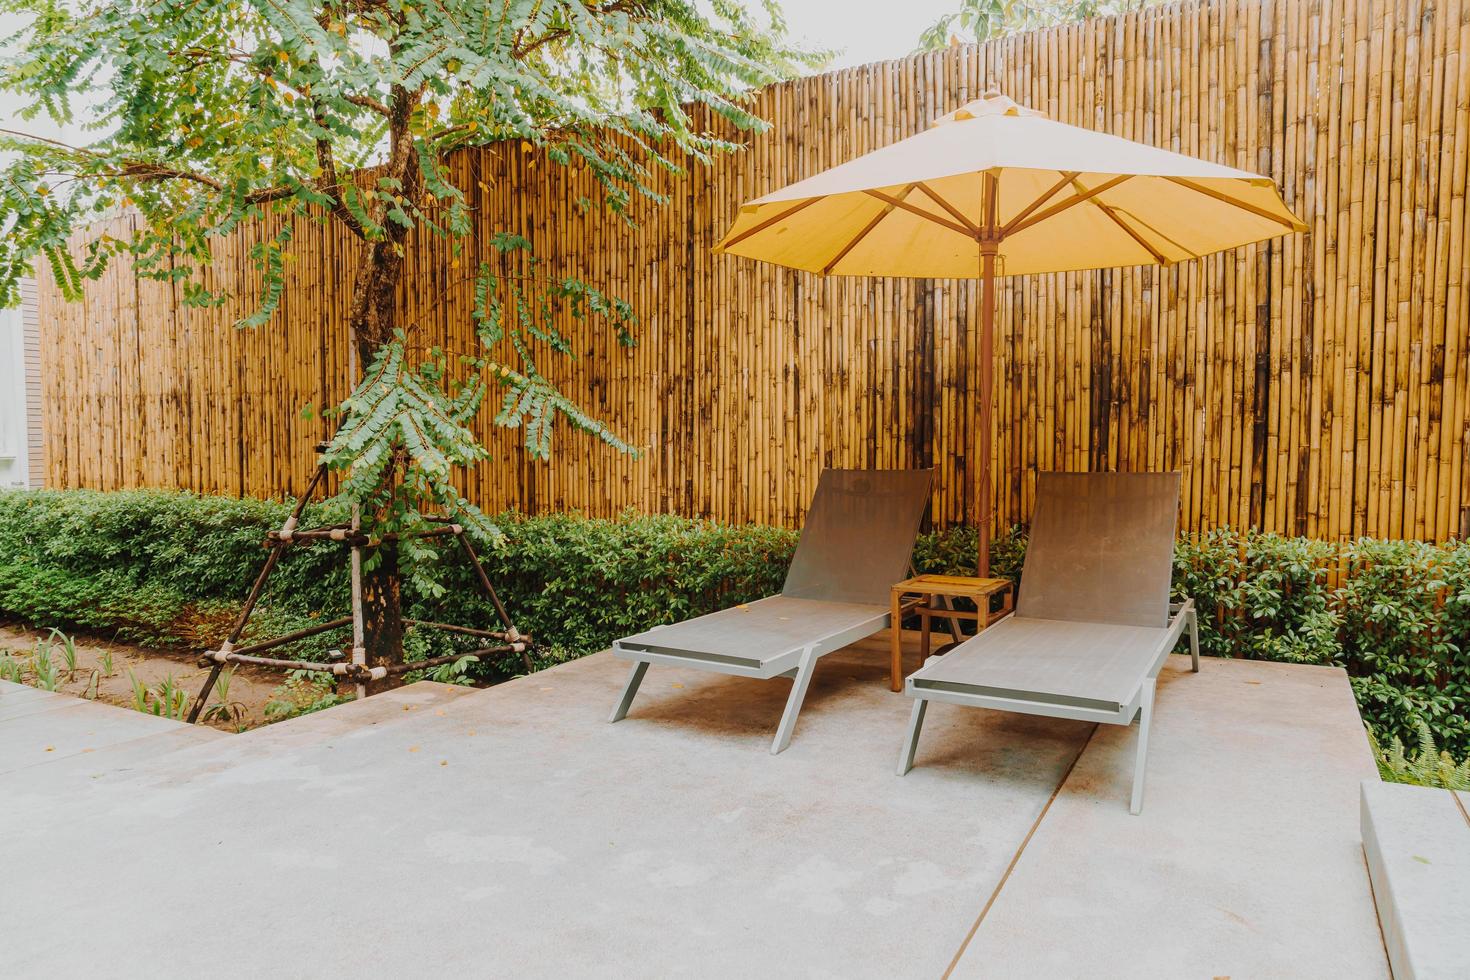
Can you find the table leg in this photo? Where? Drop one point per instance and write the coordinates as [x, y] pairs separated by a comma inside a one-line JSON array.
[[926, 624], [895, 664]]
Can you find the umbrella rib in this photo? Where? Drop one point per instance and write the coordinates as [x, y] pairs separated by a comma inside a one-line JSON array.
[[1172, 241], [886, 210], [1067, 178], [768, 222], [942, 222], [1158, 256], [1222, 196], [954, 212], [1076, 199]]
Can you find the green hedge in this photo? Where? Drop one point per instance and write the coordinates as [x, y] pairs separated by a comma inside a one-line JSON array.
[[170, 568]]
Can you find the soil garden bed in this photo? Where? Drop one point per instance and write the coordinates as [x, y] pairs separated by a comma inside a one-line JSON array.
[[106, 670]]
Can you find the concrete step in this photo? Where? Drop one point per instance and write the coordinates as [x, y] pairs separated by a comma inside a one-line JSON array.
[[186, 759], [44, 728], [390, 707], [119, 758], [1417, 842], [17, 700]]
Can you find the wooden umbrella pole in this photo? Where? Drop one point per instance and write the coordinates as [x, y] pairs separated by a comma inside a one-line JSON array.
[[989, 241], [987, 397]]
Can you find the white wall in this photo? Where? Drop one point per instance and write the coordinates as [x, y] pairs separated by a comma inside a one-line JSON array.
[[14, 460], [20, 458]]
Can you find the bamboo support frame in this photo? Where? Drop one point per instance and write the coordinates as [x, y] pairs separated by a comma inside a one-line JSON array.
[[356, 668], [282, 640], [431, 662], [507, 635], [238, 628]]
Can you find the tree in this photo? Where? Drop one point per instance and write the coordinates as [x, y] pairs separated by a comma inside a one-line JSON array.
[[981, 20], [214, 113]]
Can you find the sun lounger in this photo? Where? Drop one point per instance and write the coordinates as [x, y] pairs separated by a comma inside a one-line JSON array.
[[858, 541], [1093, 624]]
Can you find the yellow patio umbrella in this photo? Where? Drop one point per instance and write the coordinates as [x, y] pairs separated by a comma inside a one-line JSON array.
[[994, 188]]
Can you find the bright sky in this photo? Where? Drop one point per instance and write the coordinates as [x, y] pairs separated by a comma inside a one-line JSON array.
[[863, 30]]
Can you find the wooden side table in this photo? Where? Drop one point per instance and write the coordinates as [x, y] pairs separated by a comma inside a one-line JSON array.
[[917, 595]]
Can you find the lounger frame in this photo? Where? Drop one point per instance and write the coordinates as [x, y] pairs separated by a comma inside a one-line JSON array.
[[1140, 706], [797, 663], [857, 541]]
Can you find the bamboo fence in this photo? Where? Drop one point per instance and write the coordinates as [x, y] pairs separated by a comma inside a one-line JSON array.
[[1318, 384]]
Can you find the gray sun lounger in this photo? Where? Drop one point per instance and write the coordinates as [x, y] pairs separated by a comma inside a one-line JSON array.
[[1093, 624], [857, 542]]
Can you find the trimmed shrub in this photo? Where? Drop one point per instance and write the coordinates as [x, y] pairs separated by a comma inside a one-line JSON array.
[[171, 568]]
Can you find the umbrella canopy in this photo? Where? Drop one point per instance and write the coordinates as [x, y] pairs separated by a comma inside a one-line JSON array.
[[1065, 198], [994, 188]]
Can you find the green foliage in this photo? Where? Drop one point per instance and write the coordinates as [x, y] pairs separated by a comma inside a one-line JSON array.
[[222, 708], [68, 651], [954, 552], [173, 567], [166, 699], [210, 114], [1395, 614], [11, 668], [406, 427], [982, 20], [44, 673], [140, 693], [1428, 766], [303, 693]]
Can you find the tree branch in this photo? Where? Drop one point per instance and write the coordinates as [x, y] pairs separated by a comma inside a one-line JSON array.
[[330, 183], [368, 102]]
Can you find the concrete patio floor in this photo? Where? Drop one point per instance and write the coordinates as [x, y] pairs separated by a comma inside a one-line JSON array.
[[513, 832]]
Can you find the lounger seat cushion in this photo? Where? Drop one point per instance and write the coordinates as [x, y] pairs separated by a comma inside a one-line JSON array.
[[1049, 661], [753, 635]]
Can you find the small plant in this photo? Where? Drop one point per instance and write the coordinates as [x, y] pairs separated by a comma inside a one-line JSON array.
[[454, 672], [140, 693], [166, 699], [1428, 766], [93, 683], [223, 709], [10, 668], [47, 678], [68, 651], [170, 700], [106, 663], [303, 693]]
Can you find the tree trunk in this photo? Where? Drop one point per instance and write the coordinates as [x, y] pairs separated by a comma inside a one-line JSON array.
[[382, 616], [373, 317]]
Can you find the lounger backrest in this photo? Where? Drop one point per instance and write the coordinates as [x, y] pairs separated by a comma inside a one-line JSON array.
[[859, 535], [1101, 548]]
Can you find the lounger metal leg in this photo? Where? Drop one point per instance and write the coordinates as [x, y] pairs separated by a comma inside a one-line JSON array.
[[793, 701], [1145, 715], [911, 741], [1194, 638], [629, 689]]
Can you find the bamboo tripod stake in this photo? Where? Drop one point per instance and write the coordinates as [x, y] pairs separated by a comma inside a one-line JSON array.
[[270, 563], [356, 669], [359, 647]]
